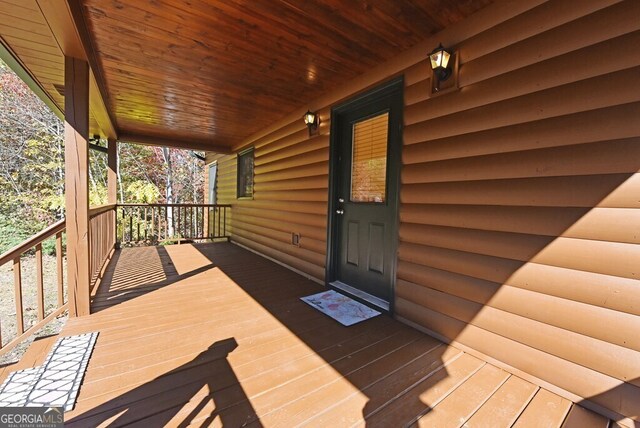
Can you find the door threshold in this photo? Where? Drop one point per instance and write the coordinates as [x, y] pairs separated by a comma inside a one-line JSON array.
[[373, 300]]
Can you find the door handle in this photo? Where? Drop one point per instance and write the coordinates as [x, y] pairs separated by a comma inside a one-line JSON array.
[[341, 212]]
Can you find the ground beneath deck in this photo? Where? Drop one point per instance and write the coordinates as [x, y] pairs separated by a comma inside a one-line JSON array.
[[213, 334]]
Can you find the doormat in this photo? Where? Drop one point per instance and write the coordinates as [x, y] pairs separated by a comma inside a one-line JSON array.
[[56, 382], [341, 308]]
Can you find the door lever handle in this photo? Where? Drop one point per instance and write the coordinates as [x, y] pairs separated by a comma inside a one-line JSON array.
[[341, 212]]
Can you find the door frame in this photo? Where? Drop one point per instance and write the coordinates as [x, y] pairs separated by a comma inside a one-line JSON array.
[[394, 87]]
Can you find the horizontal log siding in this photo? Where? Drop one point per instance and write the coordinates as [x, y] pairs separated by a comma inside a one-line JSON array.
[[290, 196], [520, 214], [519, 219]]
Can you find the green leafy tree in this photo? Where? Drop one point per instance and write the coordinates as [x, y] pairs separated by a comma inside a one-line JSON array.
[[32, 167]]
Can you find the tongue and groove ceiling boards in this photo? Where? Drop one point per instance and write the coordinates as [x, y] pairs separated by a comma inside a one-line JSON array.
[[213, 72]]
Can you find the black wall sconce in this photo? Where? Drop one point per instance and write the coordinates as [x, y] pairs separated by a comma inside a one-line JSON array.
[[441, 64], [312, 120]]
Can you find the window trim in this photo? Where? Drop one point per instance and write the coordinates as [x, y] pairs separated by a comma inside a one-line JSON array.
[[240, 154]]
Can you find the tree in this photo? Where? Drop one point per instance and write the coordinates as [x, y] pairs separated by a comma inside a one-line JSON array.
[[32, 166], [31, 157]]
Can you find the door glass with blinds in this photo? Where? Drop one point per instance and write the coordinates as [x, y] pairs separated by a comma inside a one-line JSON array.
[[369, 160]]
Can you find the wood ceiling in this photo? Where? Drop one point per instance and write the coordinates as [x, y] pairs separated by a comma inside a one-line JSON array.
[[219, 71], [215, 72]]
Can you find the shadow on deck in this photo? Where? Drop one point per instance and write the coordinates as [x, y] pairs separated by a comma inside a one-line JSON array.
[[212, 334]]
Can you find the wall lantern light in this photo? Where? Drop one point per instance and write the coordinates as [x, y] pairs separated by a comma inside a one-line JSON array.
[[440, 63], [312, 120]]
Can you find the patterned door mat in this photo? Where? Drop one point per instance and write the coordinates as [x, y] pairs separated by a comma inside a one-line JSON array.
[[341, 308], [56, 382]]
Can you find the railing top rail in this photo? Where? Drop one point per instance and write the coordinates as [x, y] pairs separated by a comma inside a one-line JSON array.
[[175, 205], [36, 239], [95, 211]]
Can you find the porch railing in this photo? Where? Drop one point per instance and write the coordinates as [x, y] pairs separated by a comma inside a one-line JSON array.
[[15, 255], [108, 224], [150, 224], [102, 239]]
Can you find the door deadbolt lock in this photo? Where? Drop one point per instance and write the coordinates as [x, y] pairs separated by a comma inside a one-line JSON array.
[[341, 200], [340, 212]]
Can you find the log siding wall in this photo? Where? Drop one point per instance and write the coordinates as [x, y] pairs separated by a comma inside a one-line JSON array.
[[520, 215]]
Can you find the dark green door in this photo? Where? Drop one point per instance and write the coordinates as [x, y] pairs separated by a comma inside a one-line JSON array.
[[366, 146]]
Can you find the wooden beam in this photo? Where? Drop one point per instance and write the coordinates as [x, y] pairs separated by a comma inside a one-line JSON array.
[[10, 58], [112, 171], [180, 144], [76, 139], [69, 30]]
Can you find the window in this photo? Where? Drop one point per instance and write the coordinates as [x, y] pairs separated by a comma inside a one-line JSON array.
[[369, 161], [245, 174]]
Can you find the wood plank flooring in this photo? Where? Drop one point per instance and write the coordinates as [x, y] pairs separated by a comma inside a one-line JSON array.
[[214, 335]]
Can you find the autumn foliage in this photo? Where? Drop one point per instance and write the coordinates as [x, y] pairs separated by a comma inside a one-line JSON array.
[[32, 167]]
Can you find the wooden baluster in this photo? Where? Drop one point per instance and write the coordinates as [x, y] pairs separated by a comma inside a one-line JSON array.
[[60, 269], [161, 221], [166, 223], [216, 221], [138, 221], [153, 224], [131, 226], [146, 225], [202, 234], [39, 282], [179, 231], [210, 230], [124, 241], [224, 225], [17, 283]]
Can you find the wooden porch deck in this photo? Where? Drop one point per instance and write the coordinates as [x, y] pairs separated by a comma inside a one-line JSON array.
[[212, 334]]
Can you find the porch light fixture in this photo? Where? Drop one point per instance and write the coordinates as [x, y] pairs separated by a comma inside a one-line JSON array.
[[440, 63], [312, 121]]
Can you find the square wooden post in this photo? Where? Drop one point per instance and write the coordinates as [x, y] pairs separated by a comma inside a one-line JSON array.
[[112, 172], [112, 185], [76, 162]]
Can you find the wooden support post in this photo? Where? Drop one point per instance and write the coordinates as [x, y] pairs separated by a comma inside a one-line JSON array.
[[112, 183], [76, 138], [112, 172]]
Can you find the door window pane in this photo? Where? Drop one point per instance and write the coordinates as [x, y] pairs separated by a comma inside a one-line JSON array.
[[369, 159]]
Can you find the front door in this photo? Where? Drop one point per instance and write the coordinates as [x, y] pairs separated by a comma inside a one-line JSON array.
[[365, 147]]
